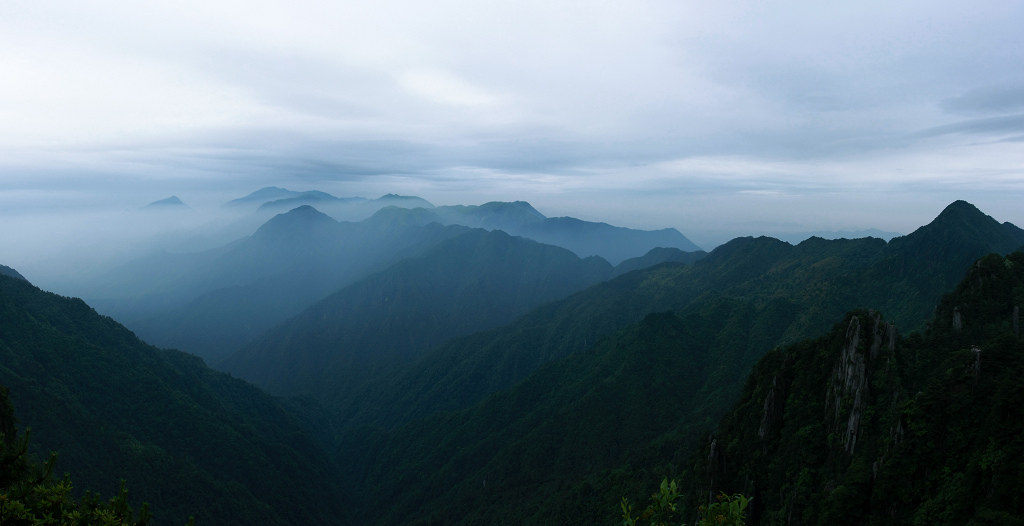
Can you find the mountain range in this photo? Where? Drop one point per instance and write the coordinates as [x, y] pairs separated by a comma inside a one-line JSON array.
[[213, 302], [539, 433], [474, 281], [467, 375], [778, 293]]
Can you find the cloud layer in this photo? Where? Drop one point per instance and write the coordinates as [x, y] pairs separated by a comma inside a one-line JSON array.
[[703, 116]]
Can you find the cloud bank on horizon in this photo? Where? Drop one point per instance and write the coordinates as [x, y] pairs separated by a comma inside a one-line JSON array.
[[722, 118]]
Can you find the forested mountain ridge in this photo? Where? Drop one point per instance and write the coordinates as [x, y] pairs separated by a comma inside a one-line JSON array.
[[804, 287], [859, 427], [657, 256], [8, 271], [935, 258], [474, 281], [188, 440], [571, 438], [566, 443], [466, 369]]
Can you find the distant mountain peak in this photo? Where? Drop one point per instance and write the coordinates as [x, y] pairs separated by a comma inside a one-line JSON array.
[[960, 231], [520, 207], [960, 208], [406, 200], [270, 191], [393, 216], [305, 212], [961, 215], [267, 193], [292, 201], [170, 202], [298, 219]]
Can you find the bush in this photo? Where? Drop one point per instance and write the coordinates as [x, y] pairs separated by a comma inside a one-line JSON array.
[[730, 510]]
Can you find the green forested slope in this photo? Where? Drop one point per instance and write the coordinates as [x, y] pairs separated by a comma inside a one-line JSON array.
[[8, 271], [546, 447], [32, 495], [474, 281], [656, 256], [814, 283], [559, 447], [467, 369], [189, 440], [858, 428]]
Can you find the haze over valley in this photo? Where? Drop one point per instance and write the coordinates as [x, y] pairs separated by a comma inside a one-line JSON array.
[[395, 263]]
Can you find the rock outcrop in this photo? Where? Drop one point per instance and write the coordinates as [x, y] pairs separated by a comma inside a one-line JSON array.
[[851, 375]]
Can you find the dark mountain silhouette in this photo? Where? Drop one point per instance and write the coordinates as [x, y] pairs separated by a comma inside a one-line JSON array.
[[935, 256], [797, 237], [187, 439]]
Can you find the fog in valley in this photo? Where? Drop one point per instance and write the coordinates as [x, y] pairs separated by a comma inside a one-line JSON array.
[[718, 121], [512, 262]]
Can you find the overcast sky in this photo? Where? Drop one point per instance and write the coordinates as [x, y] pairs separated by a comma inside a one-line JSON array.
[[717, 118]]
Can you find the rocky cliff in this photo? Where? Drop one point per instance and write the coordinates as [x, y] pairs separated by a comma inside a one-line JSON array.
[[862, 426]]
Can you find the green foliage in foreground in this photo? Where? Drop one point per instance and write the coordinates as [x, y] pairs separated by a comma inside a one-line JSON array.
[[30, 497], [730, 510]]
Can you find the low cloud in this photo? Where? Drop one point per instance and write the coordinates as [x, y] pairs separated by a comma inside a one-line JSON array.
[[1005, 124], [665, 113], [1004, 99]]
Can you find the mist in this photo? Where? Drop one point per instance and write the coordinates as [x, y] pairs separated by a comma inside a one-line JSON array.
[[719, 121]]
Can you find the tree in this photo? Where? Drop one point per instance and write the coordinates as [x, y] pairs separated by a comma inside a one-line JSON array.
[[30, 497], [730, 510]]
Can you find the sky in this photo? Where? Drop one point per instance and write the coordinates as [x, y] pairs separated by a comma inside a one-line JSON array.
[[718, 119]]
